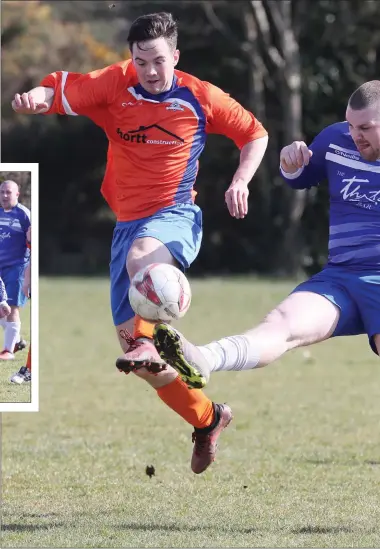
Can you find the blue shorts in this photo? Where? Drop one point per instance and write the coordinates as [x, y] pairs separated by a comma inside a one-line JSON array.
[[178, 227], [13, 278], [356, 293]]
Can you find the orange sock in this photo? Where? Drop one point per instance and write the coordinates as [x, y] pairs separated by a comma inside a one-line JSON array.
[[191, 404], [143, 328], [28, 361]]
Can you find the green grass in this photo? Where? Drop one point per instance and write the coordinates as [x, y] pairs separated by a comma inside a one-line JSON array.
[[11, 392], [299, 466]]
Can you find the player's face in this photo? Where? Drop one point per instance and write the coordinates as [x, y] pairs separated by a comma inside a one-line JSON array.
[[154, 61], [365, 131], [8, 195]]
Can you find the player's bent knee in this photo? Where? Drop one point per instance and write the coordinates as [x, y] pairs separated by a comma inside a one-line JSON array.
[[145, 251], [14, 315]]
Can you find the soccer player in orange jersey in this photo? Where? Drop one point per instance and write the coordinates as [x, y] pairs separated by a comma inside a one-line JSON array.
[[156, 119]]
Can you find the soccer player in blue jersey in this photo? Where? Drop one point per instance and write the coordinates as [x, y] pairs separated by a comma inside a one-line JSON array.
[[14, 255], [344, 298], [24, 374]]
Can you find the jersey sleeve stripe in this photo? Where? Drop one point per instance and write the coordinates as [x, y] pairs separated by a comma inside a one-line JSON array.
[[65, 103]]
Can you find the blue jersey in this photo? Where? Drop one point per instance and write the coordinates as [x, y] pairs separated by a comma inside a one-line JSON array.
[[13, 227], [3, 293], [354, 190]]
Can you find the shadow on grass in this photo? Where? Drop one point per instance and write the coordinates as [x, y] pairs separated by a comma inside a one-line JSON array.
[[349, 462], [316, 461], [181, 528], [29, 527], [309, 529]]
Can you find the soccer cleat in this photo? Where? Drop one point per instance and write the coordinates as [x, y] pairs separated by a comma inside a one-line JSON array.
[[6, 355], [22, 376], [205, 442], [20, 345], [141, 354], [182, 355]]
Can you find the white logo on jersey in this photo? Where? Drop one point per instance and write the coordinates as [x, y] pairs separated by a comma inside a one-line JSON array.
[[131, 104], [352, 192], [175, 106], [4, 236]]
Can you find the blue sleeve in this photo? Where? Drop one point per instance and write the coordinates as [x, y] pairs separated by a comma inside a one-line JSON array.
[[315, 172], [25, 221], [3, 293]]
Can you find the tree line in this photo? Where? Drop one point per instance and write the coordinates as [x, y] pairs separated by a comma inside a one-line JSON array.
[[293, 63]]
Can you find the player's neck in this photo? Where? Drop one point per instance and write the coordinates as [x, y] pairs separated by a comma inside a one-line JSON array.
[[10, 208]]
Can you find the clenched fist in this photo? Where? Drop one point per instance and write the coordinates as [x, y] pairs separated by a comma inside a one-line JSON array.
[[294, 156]]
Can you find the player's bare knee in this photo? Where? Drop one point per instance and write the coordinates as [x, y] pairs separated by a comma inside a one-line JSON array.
[[14, 315], [145, 251]]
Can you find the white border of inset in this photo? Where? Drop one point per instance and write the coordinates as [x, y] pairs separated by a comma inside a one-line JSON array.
[[32, 406]]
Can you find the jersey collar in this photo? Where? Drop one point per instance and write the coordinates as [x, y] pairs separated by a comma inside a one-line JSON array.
[[157, 96]]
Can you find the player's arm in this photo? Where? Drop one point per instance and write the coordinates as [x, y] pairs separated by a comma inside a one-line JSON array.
[[70, 93], [27, 281], [304, 167], [27, 273], [4, 307], [227, 117], [251, 156], [28, 236]]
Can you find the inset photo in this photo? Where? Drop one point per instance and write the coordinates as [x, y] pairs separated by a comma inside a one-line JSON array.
[[18, 318]]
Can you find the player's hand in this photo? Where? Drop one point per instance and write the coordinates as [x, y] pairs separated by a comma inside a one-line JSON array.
[[237, 199], [294, 156], [5, 309], [35, 101], [26, 289]]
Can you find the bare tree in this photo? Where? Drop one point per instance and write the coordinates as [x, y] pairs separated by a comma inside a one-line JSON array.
[[271, 50]]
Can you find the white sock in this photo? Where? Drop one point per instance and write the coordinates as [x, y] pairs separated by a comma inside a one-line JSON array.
[[230, 353], [3, 322], [12, 335]]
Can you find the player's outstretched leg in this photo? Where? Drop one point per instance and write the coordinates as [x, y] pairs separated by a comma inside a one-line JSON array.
[[186, 358], [288, 326]]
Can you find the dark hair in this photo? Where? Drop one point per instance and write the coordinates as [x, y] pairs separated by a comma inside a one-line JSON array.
[[365, 96], [154, 25]]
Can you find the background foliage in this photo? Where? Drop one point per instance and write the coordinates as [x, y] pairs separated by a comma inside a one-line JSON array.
[[293, 63]]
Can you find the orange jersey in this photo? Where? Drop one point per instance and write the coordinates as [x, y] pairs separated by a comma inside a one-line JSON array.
[[155, 141]]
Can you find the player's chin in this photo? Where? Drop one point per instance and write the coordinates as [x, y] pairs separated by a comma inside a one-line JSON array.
[[154, 87], [368, 154]]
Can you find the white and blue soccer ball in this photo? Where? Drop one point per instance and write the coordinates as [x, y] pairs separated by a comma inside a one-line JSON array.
[[160, 292]]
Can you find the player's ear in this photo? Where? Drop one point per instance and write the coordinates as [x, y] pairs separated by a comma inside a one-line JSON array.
[[176, 57]]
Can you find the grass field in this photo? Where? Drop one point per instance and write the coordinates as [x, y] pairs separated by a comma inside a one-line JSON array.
[[10, 392], [299, 466]]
